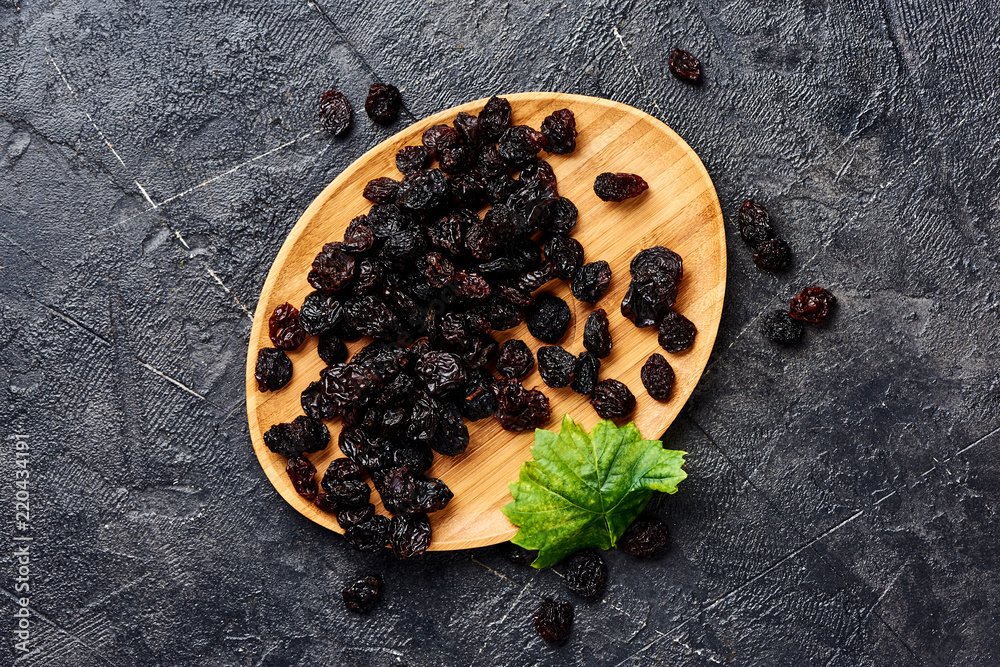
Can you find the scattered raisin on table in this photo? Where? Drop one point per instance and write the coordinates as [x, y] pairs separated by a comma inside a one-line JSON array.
[[381, 190], [676, 332], [383, 102], [273, 369], [302, 435], [565, 254], [334, 112], [586, 574], [494, 118], [773, 255], [519, 409], [363, 594], [468, 125], [754, 223], [515, 359], [413, 158], [559, 129], [657, 377], [554, 620], [303, 475], [597, 334], [549, 318], [812, 305], [283, 326], [588, 368], [556, 366], [369, 536], [612, 399], [645, 538], [779, 328], [409, 535], [684, 66], [619, 187], [591, 281]]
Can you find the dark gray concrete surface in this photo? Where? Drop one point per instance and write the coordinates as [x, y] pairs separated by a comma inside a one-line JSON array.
[[842, 501]]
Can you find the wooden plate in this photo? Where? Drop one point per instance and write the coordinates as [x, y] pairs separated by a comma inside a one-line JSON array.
[[680, 210]]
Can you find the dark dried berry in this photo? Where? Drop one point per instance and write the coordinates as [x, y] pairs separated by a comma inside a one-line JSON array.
[[409, 535], [417, 458], [342, 469], [684, 66], [531, 205], [591, 281], [383, 102], [657, 377], [346, 493], [658, 264], [554, 620], [559, 129], [369, 536], [320, 312], [597, 334], [565, 254], [283, 326], [538, 170], [369, 452], [556, 366], [532, 279], [779, 328], [490, 165], [811, 305], [612, 399], [458, 159], [410, 159], [468, 125], [773, 255], [332, 269], [372, 317], [519, 409], [515, 554], [358, 237], [588, 368], [451, 437], [440, 372], [363, 594], [754, 223], [676, 332], [586, 574], [273, 369], [382, 190], [352, 516], [315, 403], [560, 216], [469, 190], [347, 384], [515, 359], [439, 137], [519, 145], [423, 190], [334, 112], [645, 538], [331, 349], [494, 118], [478, 401], [303, 475], [437, 270], [302, 435], [549, 318], [447, 231], [619, 187], [470, 285], [645, 302]]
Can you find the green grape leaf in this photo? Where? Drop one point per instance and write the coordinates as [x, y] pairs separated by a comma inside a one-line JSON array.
[[584, 489]]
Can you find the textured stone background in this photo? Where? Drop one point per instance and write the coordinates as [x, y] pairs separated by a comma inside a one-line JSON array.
[[842, 503]]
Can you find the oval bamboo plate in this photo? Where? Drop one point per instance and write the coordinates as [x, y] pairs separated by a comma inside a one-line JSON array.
[[680, 210]]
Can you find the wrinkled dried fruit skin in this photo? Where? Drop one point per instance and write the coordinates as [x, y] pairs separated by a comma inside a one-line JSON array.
[[559, 129], [409, 536], [811, 305], [451, 437], [754, 224], [458, 159], [676, 333], [303, 475], [470, 285], [612, 399], [315, 403], [411, 159], [531, 206], [519, 145], [619, 187], [352, 516], [597, 334], [423, 190], [382, 190], [645, 302], [440, 372], [591, 281], [320, 312], [549, 318], [554, 620], [565, 254], [369, 536], [437, 138], [369, 452], [383, 102], [658, 264], [586, 574], [684, 66], [560, 216], [469, 189], [779, 328], [645, 538], [489, 163], [302, 435], [437, 270], [556, 366], [468, 125], [342, 469], [494, 118], [363, 594], [773, 255], [273, 369], [334, 112], [515, 360], [331, 349], [478, 402], [284, 328], [358, 237], [346, 493], [332, 269], [657, 377], [372, 317], [538, 170], [519, 409], [588, 368]]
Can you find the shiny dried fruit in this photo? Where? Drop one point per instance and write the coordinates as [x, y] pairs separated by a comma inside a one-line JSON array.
[[423, 190], [303, 475], [773, 255], [811, 305], [549, 318], [273, 369], [409, 535], [363, 594], [468, 125], [676, 332], [346, 493], [369, 536], [331, 349], [372, 317], [657, 377], [519, 145], [645, 538], [619, 187], [410, 159], [439, 137], [754, 223], [588, 368], [302, 435], [382, 190], [597, 334], [332, 269], [515, 360], [538, 170], [437, 270], [352, 516], [440, 372], [779, 328], [591, 281], [494, 118], [383, 102], [284, 328], [554, 620], [658, 264], [358, 237], [320, 312], [612, 399], [315, 403], [334, 112], [519, 409], [565, 254], [490, 165], [586, 574], [560, 216], [556, 366], [684, 66], [559, 129], [458, 159]]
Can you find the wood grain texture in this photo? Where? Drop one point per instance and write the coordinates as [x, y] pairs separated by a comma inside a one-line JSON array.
[[680, 210]]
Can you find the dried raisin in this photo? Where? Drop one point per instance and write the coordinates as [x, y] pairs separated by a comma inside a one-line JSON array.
[[657, 377], [773, 255], [684, 66], [549, 318], [554, 620], [586, 574], [779, 328], [812, 305], [591, 281], [515, 360], [676, 332], [383, 102], [559, 129], [362, 595], [645, 538], [284, 328], [273, 369], [597, 334], [612, 399], [335, 112], [619, 187], [556, 366]]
